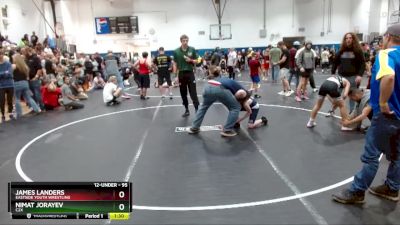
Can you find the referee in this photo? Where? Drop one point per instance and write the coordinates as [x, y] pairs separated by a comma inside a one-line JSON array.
[[185, 57]]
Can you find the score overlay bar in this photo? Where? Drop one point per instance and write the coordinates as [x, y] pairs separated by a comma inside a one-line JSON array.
[[70, 200]]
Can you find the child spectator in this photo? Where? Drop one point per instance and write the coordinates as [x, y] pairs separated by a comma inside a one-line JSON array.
[[111, 92], [98, 82], [50, 94]]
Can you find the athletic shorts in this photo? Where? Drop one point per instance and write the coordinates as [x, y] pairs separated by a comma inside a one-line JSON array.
[[307, 73], [330, 88], [255, 79], [144, 80], [164, 77], [284, 73]]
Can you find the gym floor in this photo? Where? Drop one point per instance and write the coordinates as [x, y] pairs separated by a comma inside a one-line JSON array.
[[283, 173]]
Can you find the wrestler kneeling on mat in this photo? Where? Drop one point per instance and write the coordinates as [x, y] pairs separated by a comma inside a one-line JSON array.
[[251, 106], [332, 87], [361, 111]]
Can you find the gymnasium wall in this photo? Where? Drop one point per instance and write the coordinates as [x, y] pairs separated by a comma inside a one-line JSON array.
[[169, 19], [23, 17]]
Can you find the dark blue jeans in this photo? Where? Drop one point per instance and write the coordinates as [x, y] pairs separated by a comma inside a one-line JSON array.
[[22, 89], [34, 85], [275, 72], [382, 137]]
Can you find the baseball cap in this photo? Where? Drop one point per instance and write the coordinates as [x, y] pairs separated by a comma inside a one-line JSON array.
[[393, 30]]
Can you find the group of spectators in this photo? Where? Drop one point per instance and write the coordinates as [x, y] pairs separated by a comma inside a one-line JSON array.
[[45, 77]]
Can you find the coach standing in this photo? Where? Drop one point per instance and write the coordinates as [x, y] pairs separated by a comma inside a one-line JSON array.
[[384, 134]]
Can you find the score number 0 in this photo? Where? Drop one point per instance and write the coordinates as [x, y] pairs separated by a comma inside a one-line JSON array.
[[121, 206]]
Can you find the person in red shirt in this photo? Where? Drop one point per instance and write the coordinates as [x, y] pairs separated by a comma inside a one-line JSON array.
[[255, 68], [143, 66], [50, 95], [265, 64]]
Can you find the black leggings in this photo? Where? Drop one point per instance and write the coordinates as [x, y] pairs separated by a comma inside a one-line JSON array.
[[231, 72], [188, 81], [75, 105], [312, 81], [10, 95]]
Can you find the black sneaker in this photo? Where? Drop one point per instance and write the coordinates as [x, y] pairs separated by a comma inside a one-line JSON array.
[[193, 130], [348, 197], [264, 120], [330, 114], [228, 133], [385, 192], [117, 102], [236, 126], [142, 97], [186, 114], [257, 96], [364, 130]]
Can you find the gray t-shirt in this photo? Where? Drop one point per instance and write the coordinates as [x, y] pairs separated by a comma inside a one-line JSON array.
[[363, 103], [66, 91], [111, 67]]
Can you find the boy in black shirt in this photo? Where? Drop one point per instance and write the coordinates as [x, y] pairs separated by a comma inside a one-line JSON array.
[[163, 64]]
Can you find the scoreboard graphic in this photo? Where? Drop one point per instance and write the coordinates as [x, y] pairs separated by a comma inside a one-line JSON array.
[[117, 25], [70, 200]]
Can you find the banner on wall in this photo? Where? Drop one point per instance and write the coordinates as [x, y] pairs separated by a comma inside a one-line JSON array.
[[103, 25], [117, 25]]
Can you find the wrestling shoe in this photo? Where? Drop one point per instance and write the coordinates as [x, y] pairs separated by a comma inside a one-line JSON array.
[[264, 120]]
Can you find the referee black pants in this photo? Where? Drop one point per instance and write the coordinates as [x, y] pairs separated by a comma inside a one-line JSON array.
[[188, 81]]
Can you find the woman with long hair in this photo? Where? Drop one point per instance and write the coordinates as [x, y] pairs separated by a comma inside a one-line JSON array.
[[350, 61], [21, 74]]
